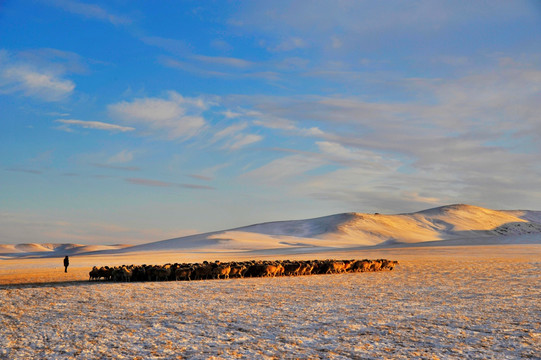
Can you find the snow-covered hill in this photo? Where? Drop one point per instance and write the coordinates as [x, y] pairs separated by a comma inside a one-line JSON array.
[[450, 225], [39, 250], [464, 224]]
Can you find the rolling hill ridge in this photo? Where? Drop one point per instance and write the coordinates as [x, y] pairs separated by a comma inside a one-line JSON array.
[[457, 224]]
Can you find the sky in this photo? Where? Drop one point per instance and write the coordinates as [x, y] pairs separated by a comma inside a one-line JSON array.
[[132, 122]]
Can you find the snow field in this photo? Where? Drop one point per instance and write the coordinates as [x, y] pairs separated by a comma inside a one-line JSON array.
[[448, 308]]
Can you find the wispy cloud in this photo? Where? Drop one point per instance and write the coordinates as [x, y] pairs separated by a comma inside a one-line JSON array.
[[182, 57], [175, 116], [233, 137], [116, 167], [367, 25], [39, 73], [35, 83], [180, 48], [227, 61], [241, 140], [205, 70], [197, 187], [23, 170], [91, 11], [173, 46], [288, 44], [229, 131], [191, 68], [285, 169], [96, 125], [123, 156], [200, 177], [159, 183], [456, 139], [149, 182], [419, 198]]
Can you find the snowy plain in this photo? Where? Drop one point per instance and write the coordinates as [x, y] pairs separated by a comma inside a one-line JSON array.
[[447, 303], [468, 287]]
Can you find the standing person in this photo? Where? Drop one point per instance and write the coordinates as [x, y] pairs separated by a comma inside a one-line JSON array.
[[66, 263]]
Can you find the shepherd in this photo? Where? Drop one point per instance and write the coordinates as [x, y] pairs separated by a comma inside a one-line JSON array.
[[66, 263]]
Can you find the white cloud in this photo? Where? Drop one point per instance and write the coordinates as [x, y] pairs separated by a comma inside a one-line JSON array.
[[229, 131], [39, 73], [174, 46], [34, 83], [270, 121], [181, 48], [289, 44], [284, 169], [221, 45], [175, 116], [191, 68], [418, 198], [227, 61], [242, 140], [336, 43], [97, 125], [231, 115], [456, 139], [233, 138], [122, 157], [163, 184], [91, 11], [339, 154], [371, 23]]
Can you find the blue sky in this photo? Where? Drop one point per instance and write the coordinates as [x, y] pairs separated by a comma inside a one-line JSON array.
[[130, 122]]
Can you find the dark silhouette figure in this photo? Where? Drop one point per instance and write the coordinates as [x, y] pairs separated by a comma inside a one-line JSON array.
[[66, 263]]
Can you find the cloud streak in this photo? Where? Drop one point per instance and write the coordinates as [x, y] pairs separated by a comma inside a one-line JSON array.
[[39, 73], [91, 11], [164, 184], [175, 116], [26, 171], [94, 125], [34, 83], [116, 167], [233, 137], [460, 139]]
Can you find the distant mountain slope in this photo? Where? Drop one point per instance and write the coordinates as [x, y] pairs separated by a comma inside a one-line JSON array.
[[39, 250], [457, 224], [450, 222]]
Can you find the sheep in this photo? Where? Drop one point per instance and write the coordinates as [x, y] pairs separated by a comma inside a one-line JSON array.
[[125, 274], [202, 272], [388, 264], [272, 270], [94, 274], [221, 271], [183, 273], [163, 273], [361, 265], [306, 268], [105, 272], [292, 269], [336, 267], [226, 270], [237, 271], [139, 273], [376, 265], [255, 269]]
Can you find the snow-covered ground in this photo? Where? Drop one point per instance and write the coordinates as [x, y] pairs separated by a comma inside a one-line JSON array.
[[450, 303]]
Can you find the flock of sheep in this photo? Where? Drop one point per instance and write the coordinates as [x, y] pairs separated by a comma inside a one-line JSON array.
[[226, 270]]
